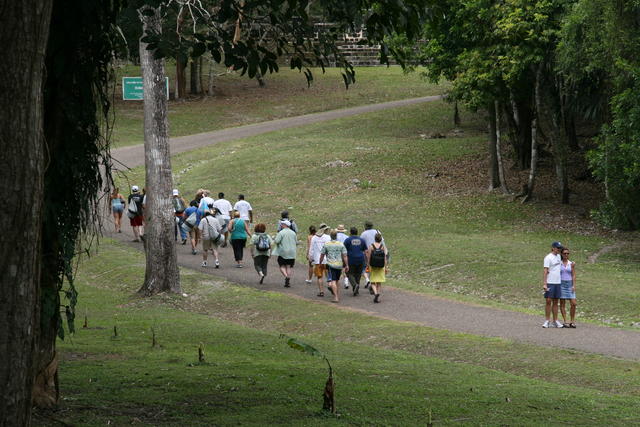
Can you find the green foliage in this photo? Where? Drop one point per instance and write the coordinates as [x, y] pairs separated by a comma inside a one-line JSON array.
[[600, 51]]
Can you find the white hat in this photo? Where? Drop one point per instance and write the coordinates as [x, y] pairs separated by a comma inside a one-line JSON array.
[[176, 192], [135, 188], [286, 222]]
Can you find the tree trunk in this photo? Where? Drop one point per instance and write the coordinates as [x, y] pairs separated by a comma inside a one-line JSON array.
[[195, 76], [210, 82], [24, 30], [534, 139], [494, 178], [503, 181], [162, 266], [456, 115], [519, 115], [181, 78], [200, 77]]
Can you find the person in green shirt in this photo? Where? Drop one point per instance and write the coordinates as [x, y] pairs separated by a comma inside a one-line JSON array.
[[336, 255], [286, 248]]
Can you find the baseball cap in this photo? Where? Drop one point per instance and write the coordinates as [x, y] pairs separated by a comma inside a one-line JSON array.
[[176, 192], [556, 245], [134, 188], [286, 222]]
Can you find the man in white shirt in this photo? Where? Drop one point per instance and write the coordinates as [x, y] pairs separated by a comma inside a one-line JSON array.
[[551, 285], [244, 208], [315, 249], [225, 208]]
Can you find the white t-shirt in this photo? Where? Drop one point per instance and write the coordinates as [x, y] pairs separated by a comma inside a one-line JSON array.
[[224, 206], [341, 237], [553, 262], [369, 236], [243, 207], [317, 243], [205, 202]]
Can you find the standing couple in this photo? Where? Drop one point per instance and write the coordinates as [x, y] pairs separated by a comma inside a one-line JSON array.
[[559, 285]]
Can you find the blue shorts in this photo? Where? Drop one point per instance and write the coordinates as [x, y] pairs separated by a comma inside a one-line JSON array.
[[333, 274], [553, 292], [565, 290], [117, 208]]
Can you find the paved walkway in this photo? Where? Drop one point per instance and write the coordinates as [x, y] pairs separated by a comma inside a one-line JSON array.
[[396, 304]]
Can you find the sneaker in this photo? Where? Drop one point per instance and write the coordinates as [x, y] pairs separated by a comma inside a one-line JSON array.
[[217, 264], [376, 298], [184, 241], [366, 285], [193, 252], [371, 290], [546, 324], [558, 324], [204, 263], [356, 290], [261, 277], [307, 281], [287, 282]]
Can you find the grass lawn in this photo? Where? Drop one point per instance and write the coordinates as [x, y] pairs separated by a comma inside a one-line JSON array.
[[387, 373], [239, 101], [447, 235]]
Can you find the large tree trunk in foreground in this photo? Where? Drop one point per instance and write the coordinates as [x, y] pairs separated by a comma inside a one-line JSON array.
[[162, 265], [24, 30]]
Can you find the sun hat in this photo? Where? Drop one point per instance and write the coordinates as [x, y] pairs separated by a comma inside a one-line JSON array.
[[557, 245], [176, 192], [135, 188], [286, 222], [321, 229], [341, 229]]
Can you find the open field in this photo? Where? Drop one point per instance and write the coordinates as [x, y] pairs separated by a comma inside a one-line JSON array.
[[386, 372], [239, 101], [447, 235]]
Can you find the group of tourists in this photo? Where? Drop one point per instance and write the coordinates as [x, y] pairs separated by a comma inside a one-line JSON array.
[[559, 286], [214, 223]]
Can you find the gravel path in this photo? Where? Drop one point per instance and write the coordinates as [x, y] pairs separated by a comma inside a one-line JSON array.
[[396, 304]]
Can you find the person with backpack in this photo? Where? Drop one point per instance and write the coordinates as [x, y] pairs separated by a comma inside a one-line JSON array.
[[135, 213], [357, 254], [179, 206], [210, 229], [378, 264], [368, 237], [261, 244], [336, 256], [190, 225], [284, 216], [239, 229], [226, 211]]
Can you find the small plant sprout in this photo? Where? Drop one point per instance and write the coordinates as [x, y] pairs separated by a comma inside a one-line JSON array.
[[329, 398], [201, 353]]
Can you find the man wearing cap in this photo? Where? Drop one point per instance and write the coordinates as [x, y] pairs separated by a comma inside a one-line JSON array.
[[285, 216], [315, 248], [286, 249], [136, 215], [179, 206], [551, 285]]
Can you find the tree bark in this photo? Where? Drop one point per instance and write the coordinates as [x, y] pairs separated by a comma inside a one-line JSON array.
[[195, 87], [162, 266], [24, 30], [211, 80], [534, 138], [181, 78], [494, 174], [503, 182]]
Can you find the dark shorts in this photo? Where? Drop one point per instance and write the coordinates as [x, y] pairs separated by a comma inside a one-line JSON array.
[[333, 274], [136, 221], [554, 291], [285, 261]]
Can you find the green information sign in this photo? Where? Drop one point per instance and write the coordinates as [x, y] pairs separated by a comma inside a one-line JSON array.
[[132, 88]]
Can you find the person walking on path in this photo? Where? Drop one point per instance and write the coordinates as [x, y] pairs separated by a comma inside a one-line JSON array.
[[135, 213], [285, 216], [210, 229], [244, 209], [368, 236], [205, 202], [190, 225], [319, 267], [226, 211], [336, 255], [239, 229], [379, 263], [286, 249], [551, 284], [261, 244], [312, 232], [342, 236], [357, 256], [567, 288], [179, 206], [117, 208]]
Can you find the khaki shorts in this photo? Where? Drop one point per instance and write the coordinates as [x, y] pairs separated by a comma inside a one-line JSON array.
[[209, 244], [319, 269]]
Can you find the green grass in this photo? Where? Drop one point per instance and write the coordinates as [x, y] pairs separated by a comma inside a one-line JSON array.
[[238, 100], [388, 373], [447, 235]]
